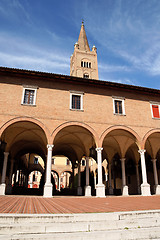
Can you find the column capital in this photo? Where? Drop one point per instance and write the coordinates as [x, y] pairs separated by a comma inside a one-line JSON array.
[[50, 146], [99, 149], [142, 151], [154, 160], [123, 159], [6, 154]]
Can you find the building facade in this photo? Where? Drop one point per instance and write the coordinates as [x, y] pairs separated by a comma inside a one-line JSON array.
[[113, 127]]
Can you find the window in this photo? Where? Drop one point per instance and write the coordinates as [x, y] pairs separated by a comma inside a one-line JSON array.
[[86, 75], [155, 110], [118, 105], [53, 161], [83, 162], [76, 100], [35, 160], [29, 95], [68, 162], [86, 64]]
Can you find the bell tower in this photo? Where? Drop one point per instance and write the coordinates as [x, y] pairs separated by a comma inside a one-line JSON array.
[[84, 61]]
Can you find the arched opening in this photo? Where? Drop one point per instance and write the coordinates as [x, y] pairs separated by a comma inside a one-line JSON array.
[[74, 142], [26, 144], [121, 151], [152, 157]]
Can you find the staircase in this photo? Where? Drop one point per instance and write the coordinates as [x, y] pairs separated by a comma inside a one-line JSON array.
[[109, 226]]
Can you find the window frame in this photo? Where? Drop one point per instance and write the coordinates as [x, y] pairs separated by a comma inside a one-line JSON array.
[[30, 88], [156, 104], [80, 94], [123, 105]]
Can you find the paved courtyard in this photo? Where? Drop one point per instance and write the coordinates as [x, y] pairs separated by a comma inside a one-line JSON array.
[[56, 205]]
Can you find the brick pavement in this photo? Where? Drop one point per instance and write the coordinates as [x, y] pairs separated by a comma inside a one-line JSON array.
[[40, 205]]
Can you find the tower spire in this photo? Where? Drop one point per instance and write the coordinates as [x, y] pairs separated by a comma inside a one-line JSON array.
[[82, 40], [83, 60]]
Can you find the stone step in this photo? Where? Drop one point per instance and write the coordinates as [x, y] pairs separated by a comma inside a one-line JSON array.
[[125, 234], [91, 217], [77, 226], [65, 224]]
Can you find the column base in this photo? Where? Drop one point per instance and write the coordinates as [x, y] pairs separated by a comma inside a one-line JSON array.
[[110, 191], [157, 189], [48, 190], [9, 189], [2, 188], [87, 191], [79, 191], [145, 189], [125, 190], [100, 190]]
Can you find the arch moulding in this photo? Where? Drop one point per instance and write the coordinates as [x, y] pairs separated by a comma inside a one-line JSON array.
[[119, 127], [27, 119], [156, 130], [80, 124]]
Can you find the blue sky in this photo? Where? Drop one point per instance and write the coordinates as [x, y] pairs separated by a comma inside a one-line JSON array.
[[40, 35]]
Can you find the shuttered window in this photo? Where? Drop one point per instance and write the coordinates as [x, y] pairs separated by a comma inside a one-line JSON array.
[[155, 111]]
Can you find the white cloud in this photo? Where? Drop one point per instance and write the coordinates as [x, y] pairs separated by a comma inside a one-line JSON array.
[[113, 68], [34, 63], [123, 81]]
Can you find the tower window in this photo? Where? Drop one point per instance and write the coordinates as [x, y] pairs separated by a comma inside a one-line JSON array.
[[86, 75], [86, 64]]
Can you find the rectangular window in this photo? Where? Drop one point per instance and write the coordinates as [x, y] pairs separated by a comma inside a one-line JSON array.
[[155, 109], [29, 96], [76, 100], [118, 105]]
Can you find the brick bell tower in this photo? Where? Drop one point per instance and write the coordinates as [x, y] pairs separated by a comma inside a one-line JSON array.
[[84, 61]]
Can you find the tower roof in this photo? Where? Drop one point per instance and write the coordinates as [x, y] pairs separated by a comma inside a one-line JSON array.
[[82, 40]]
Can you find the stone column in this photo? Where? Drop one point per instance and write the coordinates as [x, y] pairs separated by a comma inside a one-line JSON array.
[[59, 182], [145, 187], [9, 186], [87, 187], [31, 180], [110, 179], [79, 189], [156, 186], [48, 185], [124, 186], [100, 187], [138, 182], [95, 180], [3, 185]]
